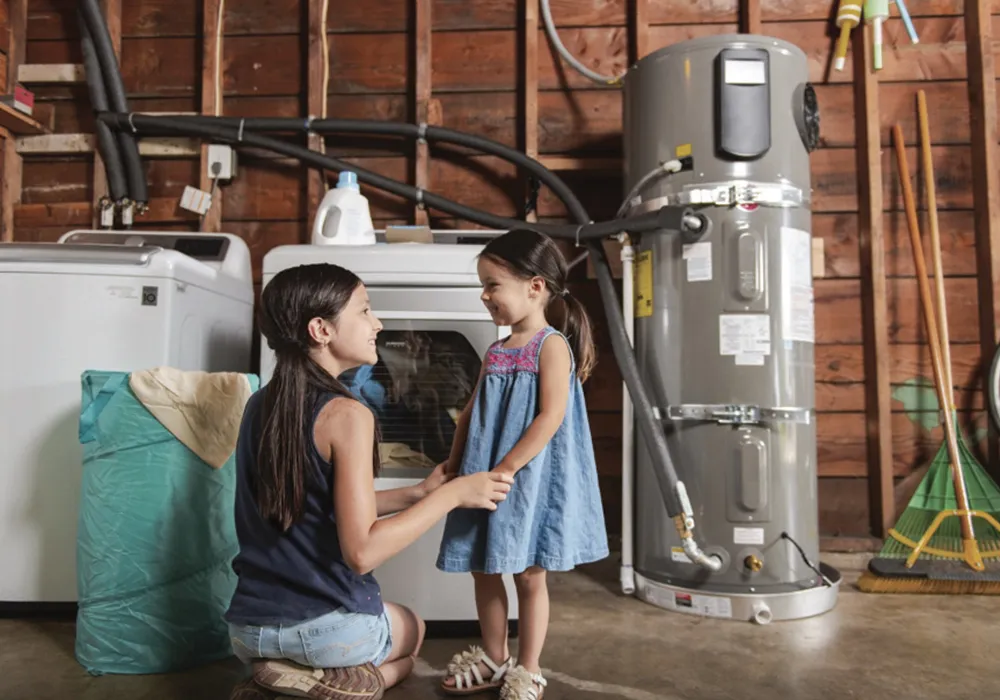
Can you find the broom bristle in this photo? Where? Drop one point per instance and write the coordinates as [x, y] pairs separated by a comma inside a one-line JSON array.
[[871, 583]]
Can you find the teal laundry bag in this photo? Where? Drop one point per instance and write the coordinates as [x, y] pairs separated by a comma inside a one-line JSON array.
[[155, 542]]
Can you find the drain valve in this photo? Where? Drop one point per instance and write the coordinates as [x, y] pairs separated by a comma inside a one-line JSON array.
[[753, 563]]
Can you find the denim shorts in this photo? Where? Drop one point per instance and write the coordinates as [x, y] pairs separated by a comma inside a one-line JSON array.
[[335, 640]]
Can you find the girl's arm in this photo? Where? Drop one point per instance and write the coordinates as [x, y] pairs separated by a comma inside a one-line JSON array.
[[554, 365], [391, 501], [454, 462], [346, 429]]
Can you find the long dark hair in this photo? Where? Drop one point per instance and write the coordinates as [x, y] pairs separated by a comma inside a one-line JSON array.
[[527, 254], [288, 303]]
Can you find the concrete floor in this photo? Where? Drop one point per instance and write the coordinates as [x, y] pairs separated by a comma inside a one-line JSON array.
[[602, 645]]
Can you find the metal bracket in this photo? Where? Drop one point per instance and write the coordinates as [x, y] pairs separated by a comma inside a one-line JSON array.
[[728, 194], [738, 414]]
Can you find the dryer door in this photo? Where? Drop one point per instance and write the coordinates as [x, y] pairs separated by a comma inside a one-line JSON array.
[[426, 373]]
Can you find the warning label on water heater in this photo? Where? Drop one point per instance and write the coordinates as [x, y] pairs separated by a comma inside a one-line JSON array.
[[744, 334], [644, 284], [798, 309]]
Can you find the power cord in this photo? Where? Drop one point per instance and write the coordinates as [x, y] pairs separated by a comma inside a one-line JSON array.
[[786, 536], [216, 169]]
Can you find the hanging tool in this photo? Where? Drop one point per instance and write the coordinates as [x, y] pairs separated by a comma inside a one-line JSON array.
[[877, 12], [848, 17], [905, 16]]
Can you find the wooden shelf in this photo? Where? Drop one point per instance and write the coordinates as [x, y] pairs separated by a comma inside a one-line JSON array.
[[19, 123]]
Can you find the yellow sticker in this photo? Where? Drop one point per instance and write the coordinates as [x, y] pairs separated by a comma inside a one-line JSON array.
[[683, 151], [644, 284]]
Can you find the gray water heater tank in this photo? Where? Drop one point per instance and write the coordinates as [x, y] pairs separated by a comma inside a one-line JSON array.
[[725, 329]]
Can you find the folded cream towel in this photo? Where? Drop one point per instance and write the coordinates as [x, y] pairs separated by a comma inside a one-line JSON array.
[[202, 409]]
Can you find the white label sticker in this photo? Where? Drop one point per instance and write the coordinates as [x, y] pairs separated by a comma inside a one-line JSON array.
[[678, 555], [798, 309], [699, 261], [710, 606], [123, 292], [748, 535], [741, 334], [750, 359]]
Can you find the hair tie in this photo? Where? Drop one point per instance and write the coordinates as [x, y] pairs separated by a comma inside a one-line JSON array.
[[565, 292]]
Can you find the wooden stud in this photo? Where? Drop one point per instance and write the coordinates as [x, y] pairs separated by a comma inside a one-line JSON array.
[[750, 20], [212, 79], [985, 186], [422, 97], [530, 106], [318, 64], [875, 325], [113, 16], [10, 189], [640, 41]]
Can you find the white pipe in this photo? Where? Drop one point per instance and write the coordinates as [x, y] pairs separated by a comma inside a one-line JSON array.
[[628, 428]]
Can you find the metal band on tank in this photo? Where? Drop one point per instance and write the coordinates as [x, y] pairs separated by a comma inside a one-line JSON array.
[[728, 194]]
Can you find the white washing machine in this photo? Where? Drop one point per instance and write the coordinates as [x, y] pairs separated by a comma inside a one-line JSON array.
[[436, 333], [104, 300]]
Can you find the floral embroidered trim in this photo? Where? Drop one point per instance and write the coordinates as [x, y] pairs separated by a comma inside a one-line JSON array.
[[503, 361]]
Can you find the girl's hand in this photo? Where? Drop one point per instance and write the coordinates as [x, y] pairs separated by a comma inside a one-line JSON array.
[[435, 480], [481, 490]]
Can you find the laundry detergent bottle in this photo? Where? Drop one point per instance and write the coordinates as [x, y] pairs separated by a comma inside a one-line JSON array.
[[343, 217]]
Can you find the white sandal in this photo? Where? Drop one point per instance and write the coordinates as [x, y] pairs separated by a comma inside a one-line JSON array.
[[522, 684], [464, 666]]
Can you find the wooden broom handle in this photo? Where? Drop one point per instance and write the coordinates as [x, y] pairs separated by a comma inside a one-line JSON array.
[[942, 309], [931, 326]]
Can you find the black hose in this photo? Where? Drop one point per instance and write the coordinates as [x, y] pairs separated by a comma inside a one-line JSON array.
[[94, 20], [106, 140], [379, 128], [237, 132], [665, 218]]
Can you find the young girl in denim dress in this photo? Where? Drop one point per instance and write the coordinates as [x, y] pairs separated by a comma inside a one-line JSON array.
[[528, 419]]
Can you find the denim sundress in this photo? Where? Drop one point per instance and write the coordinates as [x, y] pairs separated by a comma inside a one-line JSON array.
[[552, 517]]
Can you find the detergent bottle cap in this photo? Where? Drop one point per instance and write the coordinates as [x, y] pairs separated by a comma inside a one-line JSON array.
[[348, 180]]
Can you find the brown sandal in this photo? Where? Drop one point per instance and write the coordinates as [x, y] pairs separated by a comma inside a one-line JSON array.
[[292, 680]]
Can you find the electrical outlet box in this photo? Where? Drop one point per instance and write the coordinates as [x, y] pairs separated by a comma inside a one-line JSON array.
[[221, 162]]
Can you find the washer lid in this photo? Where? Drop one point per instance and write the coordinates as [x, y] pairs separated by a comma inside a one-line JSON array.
[[94, 254], [388, 264]]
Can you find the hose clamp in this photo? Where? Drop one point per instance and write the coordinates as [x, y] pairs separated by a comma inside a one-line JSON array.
[[738, 414], [422, 133]]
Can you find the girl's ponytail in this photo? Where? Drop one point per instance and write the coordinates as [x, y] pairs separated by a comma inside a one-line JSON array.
[[284, 461], [577, 328]]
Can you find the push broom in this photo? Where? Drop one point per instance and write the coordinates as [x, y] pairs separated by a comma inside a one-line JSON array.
[[925, 552]]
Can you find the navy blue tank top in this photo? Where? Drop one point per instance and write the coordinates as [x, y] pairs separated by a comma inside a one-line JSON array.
[[298, 575]]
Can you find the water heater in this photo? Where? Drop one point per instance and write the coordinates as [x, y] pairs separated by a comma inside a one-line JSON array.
[[724, 330]]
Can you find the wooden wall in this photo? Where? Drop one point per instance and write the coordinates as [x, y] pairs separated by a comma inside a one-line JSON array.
[[476, 82]]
